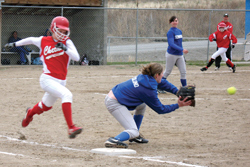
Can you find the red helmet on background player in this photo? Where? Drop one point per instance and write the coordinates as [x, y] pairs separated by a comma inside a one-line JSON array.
[[222, 27], [60, 22]]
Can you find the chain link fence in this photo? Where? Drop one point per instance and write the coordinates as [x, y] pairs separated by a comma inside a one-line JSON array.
[[140, 34], [124, 34]]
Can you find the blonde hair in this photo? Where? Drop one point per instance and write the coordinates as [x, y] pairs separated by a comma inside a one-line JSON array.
[[152, 69]]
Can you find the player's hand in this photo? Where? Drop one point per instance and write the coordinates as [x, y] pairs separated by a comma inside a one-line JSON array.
[[10, 45], [61, 45], [184, 102], [214, 39], [185, 51], [233, 45]]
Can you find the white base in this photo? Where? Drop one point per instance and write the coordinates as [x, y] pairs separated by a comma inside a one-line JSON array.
[[113, 151]]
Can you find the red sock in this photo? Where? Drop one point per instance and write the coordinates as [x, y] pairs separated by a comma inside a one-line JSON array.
[[230, 63], [67, 111], [35, 110]]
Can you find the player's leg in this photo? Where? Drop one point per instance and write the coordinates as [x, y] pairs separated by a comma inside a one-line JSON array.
[[213, 57], [56, 88], [138, 116], [170, 62], [224, 58], [217, 62], [229, 55], [123, 116], [39, 108], [180, 63], [44, 105]]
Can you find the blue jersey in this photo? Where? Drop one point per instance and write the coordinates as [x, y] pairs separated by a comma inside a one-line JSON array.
[[143, 89], [174, 36]]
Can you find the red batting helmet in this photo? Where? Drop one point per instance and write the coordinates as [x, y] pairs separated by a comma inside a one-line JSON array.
[[222, 25], [60, 22]]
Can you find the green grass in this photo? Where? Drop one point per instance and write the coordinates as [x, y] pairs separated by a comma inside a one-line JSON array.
[[127, 63], [161, 62], [188, 63]]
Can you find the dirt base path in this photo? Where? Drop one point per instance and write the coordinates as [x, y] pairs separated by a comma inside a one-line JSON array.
[[215, 133]]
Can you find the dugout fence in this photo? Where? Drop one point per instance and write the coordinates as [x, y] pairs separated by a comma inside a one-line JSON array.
[[124, 34]]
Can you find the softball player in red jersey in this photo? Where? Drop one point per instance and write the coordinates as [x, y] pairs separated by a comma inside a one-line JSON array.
[[222, 38], [229, 27], [56, 51]]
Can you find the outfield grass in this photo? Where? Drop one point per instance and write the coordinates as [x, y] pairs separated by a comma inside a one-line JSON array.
[[194, 63]]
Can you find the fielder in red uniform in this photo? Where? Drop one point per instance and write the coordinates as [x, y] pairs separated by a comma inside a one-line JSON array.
[[222, 38], [56, 51]]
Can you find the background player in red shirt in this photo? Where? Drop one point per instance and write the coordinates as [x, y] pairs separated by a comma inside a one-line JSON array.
[[56, 51], [229, 27], [222, 38]]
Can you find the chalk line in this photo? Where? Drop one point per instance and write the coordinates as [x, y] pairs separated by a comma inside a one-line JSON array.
[[7, 153], [153, 159], [46, 145]]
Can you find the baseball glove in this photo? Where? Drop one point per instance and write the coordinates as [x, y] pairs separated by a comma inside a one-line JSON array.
[[187, 91]]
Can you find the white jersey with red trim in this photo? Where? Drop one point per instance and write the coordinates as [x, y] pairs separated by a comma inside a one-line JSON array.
[[55, 60]]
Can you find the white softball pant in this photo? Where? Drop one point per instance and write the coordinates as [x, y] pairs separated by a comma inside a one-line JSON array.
[[171, 60], [54, 88], [220, 52], [123, 115]]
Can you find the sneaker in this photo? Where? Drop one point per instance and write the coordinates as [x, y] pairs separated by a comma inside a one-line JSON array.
[[27, 120], [217, 69], [114, 143], [234, 68], [74, 131], [230, 68], [204, 69], [138, 139], [161, 91]]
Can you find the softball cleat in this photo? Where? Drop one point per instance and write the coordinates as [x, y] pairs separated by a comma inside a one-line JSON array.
[[138, 139], [74, 131], [114, 143], [27, 120]]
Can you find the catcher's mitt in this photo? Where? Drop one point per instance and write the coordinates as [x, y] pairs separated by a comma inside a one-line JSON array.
[[187, 91]]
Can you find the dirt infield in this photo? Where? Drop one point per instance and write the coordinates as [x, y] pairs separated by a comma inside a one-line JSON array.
[[215, 133]]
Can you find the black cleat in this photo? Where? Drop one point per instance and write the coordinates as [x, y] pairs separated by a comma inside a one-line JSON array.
[[114, 143], [234, 68], [138, 139], [204, 69]]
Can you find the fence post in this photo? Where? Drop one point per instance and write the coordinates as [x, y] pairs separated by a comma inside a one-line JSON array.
[[109, 47], [62, 11], [209, 29], [0, 32], [136, 48], [247, 21]]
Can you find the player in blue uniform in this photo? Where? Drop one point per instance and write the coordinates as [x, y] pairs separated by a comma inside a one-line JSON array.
[[135, 94], [174, 53]]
